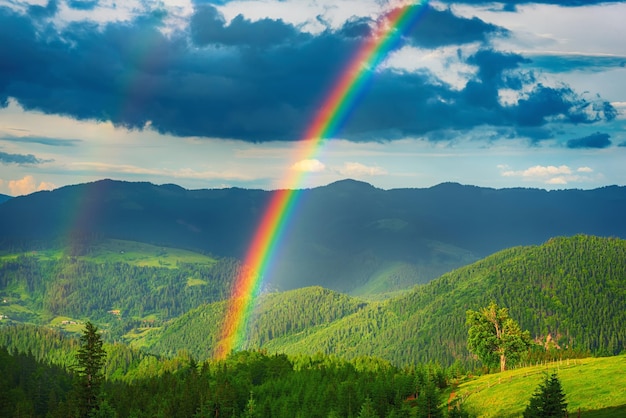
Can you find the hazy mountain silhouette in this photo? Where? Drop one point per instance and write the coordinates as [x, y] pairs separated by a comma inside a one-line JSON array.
[[4, 198], [343, 236]]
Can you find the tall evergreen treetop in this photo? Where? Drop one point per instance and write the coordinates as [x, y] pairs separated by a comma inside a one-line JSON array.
[[91, 357], [548, 400]]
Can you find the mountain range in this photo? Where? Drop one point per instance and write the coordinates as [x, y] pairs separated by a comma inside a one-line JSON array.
[[348, 236]]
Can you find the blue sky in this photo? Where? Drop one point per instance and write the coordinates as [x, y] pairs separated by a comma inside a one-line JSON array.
[[210, 94]]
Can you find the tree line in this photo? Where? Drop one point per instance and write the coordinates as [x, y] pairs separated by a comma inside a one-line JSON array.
[[246, 384]]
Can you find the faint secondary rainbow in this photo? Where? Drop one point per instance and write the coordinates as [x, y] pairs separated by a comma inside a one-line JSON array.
[[327, 122]]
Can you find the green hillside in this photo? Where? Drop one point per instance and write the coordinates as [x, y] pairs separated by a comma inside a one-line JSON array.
[[549, 290], [570, 291], [313, 385], [593, 386], [278, 316], [120, 251], [116, 283]]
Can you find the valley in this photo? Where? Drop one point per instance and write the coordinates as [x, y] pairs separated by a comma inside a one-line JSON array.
[[160, 308]]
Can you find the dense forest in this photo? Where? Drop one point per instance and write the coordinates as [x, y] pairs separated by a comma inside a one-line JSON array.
[[309, 352], [108, 292], [246, 384], [548, 289]]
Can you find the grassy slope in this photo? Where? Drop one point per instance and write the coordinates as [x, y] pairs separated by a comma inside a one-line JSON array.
[[278, 316], [595, 386], [129, 252], [105, 251]]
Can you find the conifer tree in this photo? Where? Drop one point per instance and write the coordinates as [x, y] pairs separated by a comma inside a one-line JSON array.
[[367, 409], [91, 357], [548, 400], [428, 402]]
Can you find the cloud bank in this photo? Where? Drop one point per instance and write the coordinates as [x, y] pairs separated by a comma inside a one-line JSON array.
[[264, 80], [21, 159]]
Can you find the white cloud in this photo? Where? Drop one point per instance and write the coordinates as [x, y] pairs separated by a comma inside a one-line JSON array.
[[539, 171], [557, 180], [314, 16], [309, 166], [550, 174], [182, 173], [445, 63], [352, 169], [28, 185]]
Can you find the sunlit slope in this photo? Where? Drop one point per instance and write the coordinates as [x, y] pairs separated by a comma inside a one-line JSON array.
[[113, 281], [277, 316], [119, 251], [573, 289], [595, 386]]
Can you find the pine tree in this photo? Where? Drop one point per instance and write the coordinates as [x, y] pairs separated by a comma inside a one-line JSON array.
[[367, 409], [428, 402], [548, 400], [91, 357]]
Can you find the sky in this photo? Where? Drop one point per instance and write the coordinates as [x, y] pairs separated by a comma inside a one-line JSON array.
[[213, 94]]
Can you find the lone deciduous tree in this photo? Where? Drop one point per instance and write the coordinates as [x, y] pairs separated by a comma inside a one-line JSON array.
[[91, 357], [495, 337]]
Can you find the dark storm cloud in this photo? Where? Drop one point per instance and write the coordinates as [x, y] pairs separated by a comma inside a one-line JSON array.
[[43, 140], [510, 4], [441, 27], [208, 26], [597, 140], [534, 134], [567, 63], [48, 10], [20, 159], [82, 4], [261, 80]]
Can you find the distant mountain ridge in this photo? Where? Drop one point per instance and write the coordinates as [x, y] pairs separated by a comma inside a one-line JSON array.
[[346, 236], [4, 198]]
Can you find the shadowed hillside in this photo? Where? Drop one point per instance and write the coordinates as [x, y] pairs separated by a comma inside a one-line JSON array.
[[347, 236]]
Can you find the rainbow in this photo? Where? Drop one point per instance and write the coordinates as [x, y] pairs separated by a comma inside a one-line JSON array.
[[327, 122]]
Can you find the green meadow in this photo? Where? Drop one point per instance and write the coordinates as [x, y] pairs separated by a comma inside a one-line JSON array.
[[120, 251], [144, 255], [594, 386]]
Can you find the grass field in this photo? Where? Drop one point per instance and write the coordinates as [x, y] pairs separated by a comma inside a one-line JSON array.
[[130, 252], [144, 255], [594, 386]]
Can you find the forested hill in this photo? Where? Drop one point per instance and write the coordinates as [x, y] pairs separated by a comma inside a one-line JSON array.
[[571, 291], [278, 315], [120, 282], [347, 236]]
